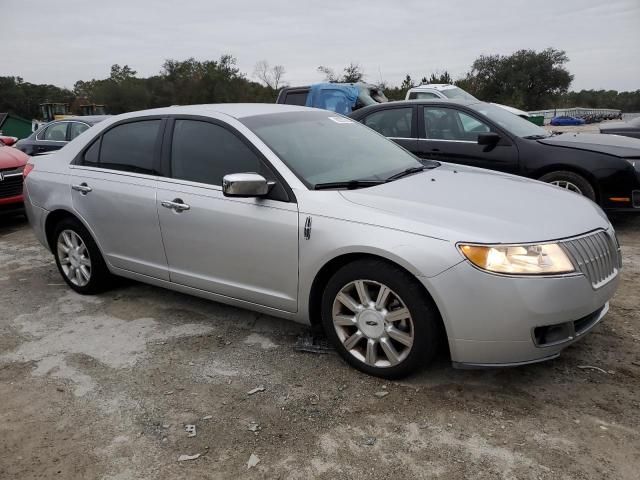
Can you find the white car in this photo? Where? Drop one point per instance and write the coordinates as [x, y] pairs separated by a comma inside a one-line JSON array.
[[448, 91]]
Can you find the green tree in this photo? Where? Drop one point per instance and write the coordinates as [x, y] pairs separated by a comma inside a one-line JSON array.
[[525, 79]]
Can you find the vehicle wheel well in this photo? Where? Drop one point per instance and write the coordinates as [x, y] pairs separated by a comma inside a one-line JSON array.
[[331, 267], [52, 220], [570, 168]]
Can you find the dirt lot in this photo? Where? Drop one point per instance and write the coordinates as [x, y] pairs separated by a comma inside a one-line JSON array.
[[101, 387]]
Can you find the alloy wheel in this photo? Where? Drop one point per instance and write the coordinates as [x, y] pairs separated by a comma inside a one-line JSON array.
[[572, 187], [74, 258], [373, 323]]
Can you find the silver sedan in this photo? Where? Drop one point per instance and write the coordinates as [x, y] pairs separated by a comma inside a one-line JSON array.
[[308, 215]]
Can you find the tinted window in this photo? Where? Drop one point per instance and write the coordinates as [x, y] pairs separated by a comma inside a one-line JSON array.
[[422, 96], [56, 132], [296, 98], [449, 124], [76, 128], [394, 122], [130, 147], [91, 154], [204, 152]]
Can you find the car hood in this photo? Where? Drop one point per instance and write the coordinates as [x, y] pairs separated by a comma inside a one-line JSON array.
[[12, 158], [458, 203], [608, 144]]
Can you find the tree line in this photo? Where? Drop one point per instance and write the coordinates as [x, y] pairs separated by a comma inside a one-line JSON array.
[[526, 79]]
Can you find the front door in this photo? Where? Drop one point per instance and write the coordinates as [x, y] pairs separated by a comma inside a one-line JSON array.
[[244, 248], [113, 188], [451, 135]]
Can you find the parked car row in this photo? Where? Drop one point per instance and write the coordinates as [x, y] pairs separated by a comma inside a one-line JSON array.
[[627, 129], [55, 135], [12, 163], [309, 215], [567, 120], [603, 169]]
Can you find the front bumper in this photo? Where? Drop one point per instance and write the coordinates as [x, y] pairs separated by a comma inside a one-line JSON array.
[[11, 205], [493, 320]]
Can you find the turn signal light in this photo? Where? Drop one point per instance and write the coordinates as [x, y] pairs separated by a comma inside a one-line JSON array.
[[27, 170]]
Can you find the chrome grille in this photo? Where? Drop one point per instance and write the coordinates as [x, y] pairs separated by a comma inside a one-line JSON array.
[[10, 182], [596, 255]]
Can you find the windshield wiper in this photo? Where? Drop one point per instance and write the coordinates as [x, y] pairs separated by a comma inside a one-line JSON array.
[[404, 173], [349, 184], [536, 137]]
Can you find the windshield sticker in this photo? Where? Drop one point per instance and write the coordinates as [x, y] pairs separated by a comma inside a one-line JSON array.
[[340, 120]]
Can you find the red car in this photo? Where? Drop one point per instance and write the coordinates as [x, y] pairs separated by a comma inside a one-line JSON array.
[[12, 163]]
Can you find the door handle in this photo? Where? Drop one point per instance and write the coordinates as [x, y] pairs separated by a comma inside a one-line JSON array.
[[83, 188], [175, 204]]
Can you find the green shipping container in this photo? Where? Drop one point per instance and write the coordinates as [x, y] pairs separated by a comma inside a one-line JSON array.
[[14, 126], [537, 119]]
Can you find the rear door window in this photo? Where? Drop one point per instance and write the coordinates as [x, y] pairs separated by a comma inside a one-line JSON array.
[[422, 96], [130, 147], [394, 123], [56, 132], [296, 98]]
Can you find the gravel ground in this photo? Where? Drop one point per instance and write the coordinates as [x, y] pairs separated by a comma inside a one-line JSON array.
[[102, 387]]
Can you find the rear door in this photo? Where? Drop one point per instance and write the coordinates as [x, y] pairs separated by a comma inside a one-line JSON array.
[[244, 248], [114, 190], [397, 124], [451, 134]]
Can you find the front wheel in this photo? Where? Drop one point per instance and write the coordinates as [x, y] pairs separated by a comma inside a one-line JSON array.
[[570, 181], [380, 319]]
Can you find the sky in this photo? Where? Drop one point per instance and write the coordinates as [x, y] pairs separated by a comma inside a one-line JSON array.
[[68, 40]]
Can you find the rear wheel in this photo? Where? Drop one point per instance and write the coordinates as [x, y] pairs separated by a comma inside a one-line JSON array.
[[78, 258], [570, 181], [379, 319]]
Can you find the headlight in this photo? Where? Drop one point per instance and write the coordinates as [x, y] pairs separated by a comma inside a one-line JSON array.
[[635, 163], [548, 258]]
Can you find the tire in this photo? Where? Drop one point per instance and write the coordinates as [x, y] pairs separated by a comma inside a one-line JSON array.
[[85, 278], [414, 338], [570, 181]]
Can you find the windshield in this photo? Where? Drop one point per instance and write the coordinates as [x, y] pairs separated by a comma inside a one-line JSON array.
[[456, 93], [321, 147], [512, 123]]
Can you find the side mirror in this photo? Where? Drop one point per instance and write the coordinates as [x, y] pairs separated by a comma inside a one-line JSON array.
[[245, 185], [490, 138]]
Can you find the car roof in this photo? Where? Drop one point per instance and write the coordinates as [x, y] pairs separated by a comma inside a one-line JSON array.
[[434, 86], [235, 110], [90, 119], [430, 101]]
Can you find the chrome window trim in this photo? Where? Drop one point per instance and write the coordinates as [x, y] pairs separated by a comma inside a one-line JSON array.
[[190, 183], [114, 171], [446, 140]]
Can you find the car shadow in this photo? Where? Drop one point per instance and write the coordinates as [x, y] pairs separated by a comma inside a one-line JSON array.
[[12, 223]]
